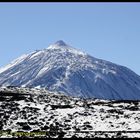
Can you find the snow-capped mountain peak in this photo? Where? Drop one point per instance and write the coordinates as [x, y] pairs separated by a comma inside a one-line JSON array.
[[61, 43], [64, 47], [68, 70]]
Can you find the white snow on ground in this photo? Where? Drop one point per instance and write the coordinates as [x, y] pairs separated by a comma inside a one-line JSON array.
[[40, 110]]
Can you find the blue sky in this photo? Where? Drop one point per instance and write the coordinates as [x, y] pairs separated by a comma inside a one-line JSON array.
[[109, 31]]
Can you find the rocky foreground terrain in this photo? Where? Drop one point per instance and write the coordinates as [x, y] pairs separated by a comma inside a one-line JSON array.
[[28, 112]]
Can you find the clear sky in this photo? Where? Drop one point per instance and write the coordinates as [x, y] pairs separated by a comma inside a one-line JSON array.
[[109, 31]]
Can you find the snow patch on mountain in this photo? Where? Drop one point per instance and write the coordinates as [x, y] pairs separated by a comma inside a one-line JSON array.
[[63, 47], [13, 63]]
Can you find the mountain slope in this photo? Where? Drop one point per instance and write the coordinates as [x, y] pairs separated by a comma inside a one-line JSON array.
[[68, 70]]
